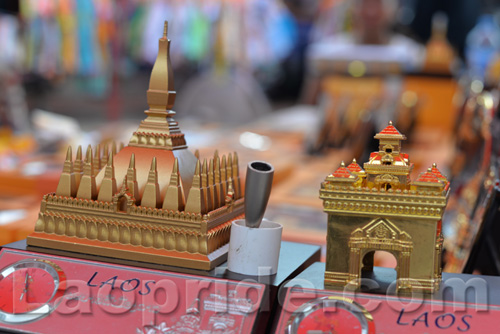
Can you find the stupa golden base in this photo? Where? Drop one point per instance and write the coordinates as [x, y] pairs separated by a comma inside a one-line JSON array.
[[152, 201], [147, 243]]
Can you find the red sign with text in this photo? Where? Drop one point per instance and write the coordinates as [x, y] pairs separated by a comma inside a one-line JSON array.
[[51, 294], [321, 311]]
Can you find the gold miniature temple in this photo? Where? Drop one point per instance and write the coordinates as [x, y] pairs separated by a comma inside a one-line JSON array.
[[152, 201], [379, 208]]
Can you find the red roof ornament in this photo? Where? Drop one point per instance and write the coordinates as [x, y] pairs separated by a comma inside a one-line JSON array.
[[355, 167], [342, 172], [390, 132], [428, 177], [438, 174]]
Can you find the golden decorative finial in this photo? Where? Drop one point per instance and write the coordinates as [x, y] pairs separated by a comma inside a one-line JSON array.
[[342, 164], [434, 165], [429, 170], [390, 122], [197, 154], [354, 161]]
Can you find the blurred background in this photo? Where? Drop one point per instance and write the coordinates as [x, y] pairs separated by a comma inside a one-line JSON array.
[[303, 84]]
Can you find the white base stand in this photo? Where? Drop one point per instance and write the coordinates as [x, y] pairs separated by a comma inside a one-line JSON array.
[[254, 251]]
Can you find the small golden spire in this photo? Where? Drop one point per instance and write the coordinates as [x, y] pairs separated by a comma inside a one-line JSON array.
[[69, 155], [212, 186], [108, 184], [206, 185], [79, 153], [105, 154], [131, 164], [174, 197], [429, 170], [342, 164], [87, 188], [390, 122], [132, 179], [223, 176], [218, 181], [78, 166], [110, 164], [236, 177], [195, 202], [229, 172], [197, 154], [229, 166], [151, 195], [354, 160], [67, 184], [97, 159], [434, 165]]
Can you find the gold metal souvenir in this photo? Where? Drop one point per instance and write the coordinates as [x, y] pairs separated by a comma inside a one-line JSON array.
[[152, 201], [378, 208]]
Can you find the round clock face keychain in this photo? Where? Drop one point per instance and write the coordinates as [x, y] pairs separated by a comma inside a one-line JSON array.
[[29, 290], [331, 315]]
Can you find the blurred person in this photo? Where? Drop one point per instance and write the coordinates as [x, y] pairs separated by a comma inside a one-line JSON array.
[[372, 20], [370, 40]]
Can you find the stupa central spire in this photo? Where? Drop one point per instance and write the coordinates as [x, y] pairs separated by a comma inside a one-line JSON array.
[[159, 129], [161, 93]]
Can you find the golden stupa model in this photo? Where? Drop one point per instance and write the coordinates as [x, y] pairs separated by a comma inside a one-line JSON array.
[[153, 202], [379, 208]]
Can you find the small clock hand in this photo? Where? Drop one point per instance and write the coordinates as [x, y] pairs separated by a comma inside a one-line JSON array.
[[25, 290]]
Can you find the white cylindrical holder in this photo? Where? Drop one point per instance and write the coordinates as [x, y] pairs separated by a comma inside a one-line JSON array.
[[254, 251]]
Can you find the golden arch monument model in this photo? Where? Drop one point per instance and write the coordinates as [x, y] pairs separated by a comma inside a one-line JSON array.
[[378, 207]]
